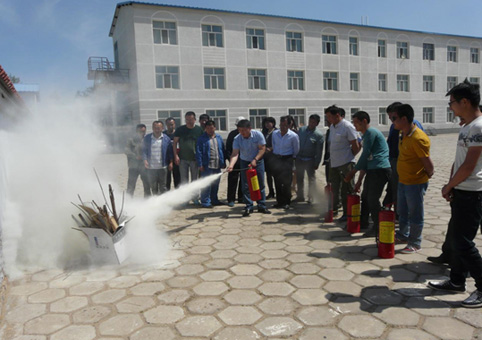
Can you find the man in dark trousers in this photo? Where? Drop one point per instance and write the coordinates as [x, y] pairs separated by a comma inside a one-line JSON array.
[[234, 182], [133, 150], [174, 174]]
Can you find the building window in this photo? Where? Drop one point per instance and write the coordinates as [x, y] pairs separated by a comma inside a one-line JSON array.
[[451, 82], [354, 82], [353, 46], [428, 52], [382, 49], [452, 53], [298, 115], [382, 82], [402, 83], [382, 116], [330, 81], [296, 80], [294, 41], [474, 55], [212, 35], [256, 79], [214, 78], [255, 38], [354, 110], [167, 77], [402, 50], [450, 115], [219, 117], [474, 80], [329, 44], [256, 117], [164, 114], [164, 32], [428, 84], [427, 115]]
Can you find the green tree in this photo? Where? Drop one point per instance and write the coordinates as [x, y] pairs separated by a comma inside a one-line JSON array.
[[14, 79]]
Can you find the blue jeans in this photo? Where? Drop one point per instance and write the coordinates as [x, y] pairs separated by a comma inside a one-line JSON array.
[[209, 195], [410, 211], [244, 182]]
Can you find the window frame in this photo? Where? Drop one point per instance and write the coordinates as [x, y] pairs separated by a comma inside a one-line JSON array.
[[329, 46], [428, 83], [164, 29], [177, 118], [401, 49], [329, 81], [171, 77], [428, 53], [382, 81], [254, 37], [221, 121], [403, 85], [355, 81], [381, 48], [210, 38], [474, 55], [295, 82], [257, 119], [450, 113], [430, 114], [451, 80], [214, 75], [260, 79], [452, 53], [293, 43], [382, 116], [300, 119], [353, 46]]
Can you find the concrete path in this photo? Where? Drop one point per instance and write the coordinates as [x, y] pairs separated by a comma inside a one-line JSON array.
[[279, 276]]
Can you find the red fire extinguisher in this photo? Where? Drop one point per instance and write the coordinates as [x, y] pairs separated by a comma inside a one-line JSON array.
[[329, 197], [353, 207], [253, 184], [386, 234]]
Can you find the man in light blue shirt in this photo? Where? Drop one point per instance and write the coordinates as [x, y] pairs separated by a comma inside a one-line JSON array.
[[250, 146]]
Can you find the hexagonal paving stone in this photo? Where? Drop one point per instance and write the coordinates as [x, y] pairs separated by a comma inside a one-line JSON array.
[[198, 326], [154, 333], [210, 288], [276, 289], [101, 275], [135, 304], [123, 282], [86, 288], [230, 333], [68, 304], [208, 305], [248, 258], [147, 288], [343, 288], [246, 269], [397, 316], [317, 316], [219, 264], [278, 275], [237, 315], [409, 334], [274, 264], [90, 315], [46, 324], [447, 328], [362, 326], [469, 316], [175, 296], [47, 275], [215, 275], [279, 326], [155, 275], [47, 295], [66, 282], [322, 333], [23, 313], [121, 325], [109, 296], [242, 297], [307, 281], [28, 288], [274, 254], [428, 305], [164, 314], [75, 332], [382, 296], [308, 297], [339, 274], [278, 306], [304, 268], [244, 282], [189, 269], [182, 281], [350, 305]]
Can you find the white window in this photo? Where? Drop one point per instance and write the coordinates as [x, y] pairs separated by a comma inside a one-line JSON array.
[[382, 116], [329, 44], [214, 78], [298, 115], [403, 83], [354, 110], [402, 50], [354, 82], [382, 82], [212, 35], [382, 48], [451, 82], [474, 80], [428, 84], [353, 46], [450, 115], [294, 41], [219, 117], [474, 55], [452, 53], [255, 38], [330, 81], [167, 77], [164, 114], [296, 80], [256, 117], [428, 115], [164, 32], [428, 52], [256, 79]]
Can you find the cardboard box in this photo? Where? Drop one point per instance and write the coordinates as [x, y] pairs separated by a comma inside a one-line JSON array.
[[105, 248]]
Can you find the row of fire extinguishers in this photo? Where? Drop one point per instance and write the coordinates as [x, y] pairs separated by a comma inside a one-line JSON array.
[[386, 230]]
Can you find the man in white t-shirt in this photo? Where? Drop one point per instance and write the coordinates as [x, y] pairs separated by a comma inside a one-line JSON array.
[[464, 192]]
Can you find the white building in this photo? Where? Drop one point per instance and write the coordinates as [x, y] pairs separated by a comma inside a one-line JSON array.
[[231, 64]]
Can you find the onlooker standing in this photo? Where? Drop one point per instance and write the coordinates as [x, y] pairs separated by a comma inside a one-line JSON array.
[[269, 125], [234, 182], [250, 146], [286, 145], [135, 163], [344, 146], [374, 167], [174, 174], [415, 168], [202, 120], [210, 160], [464, 191], [309, 157], [157, 155]]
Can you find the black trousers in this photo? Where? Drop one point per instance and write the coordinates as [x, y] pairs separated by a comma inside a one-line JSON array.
[[234, 184], [282, 167], [134, 173], [174, 174]]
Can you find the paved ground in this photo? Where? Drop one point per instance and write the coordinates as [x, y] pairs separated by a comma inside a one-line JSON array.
[[284, 275]]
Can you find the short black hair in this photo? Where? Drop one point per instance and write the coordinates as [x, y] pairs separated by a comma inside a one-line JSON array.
[[157, 122], [392, 106], [190, 113], [405, 110], [269, 119], [210, 122], [285, 119], [140, 126], [467, 90], [360, 115], [315, 117], [169, 119], [204, 116], [333, 109], [244, 123], [342, 112]]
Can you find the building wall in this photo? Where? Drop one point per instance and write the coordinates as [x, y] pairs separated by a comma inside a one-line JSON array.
[[133, 32]]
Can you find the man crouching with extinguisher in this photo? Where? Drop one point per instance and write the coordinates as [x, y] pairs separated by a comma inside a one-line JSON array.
[[250, 145]]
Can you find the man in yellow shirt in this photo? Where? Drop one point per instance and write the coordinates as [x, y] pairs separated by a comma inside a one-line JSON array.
[[415, 168]]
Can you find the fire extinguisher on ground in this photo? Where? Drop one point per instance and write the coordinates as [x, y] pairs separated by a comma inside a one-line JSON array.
[[253, 184], [386, 234], [353, 217], [329, 197]]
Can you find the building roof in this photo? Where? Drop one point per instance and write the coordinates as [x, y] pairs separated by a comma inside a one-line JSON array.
[[129, 3], [5, 80]]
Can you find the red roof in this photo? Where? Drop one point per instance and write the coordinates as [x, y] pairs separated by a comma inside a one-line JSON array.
[[5, 79]]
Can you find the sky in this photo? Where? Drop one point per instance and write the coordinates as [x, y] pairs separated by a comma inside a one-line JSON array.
[[48, 42]]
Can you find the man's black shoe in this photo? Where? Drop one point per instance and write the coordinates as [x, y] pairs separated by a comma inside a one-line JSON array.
[[438, 259], [447, 286], [264, 211], [474, 300], [247, 212]]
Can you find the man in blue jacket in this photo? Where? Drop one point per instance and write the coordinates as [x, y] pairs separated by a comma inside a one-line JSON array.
[[157, 154], [210, 160]]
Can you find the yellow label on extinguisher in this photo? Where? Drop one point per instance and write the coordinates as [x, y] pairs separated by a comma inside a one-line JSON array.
[[355, 212], [254, 183], [387, 232]]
